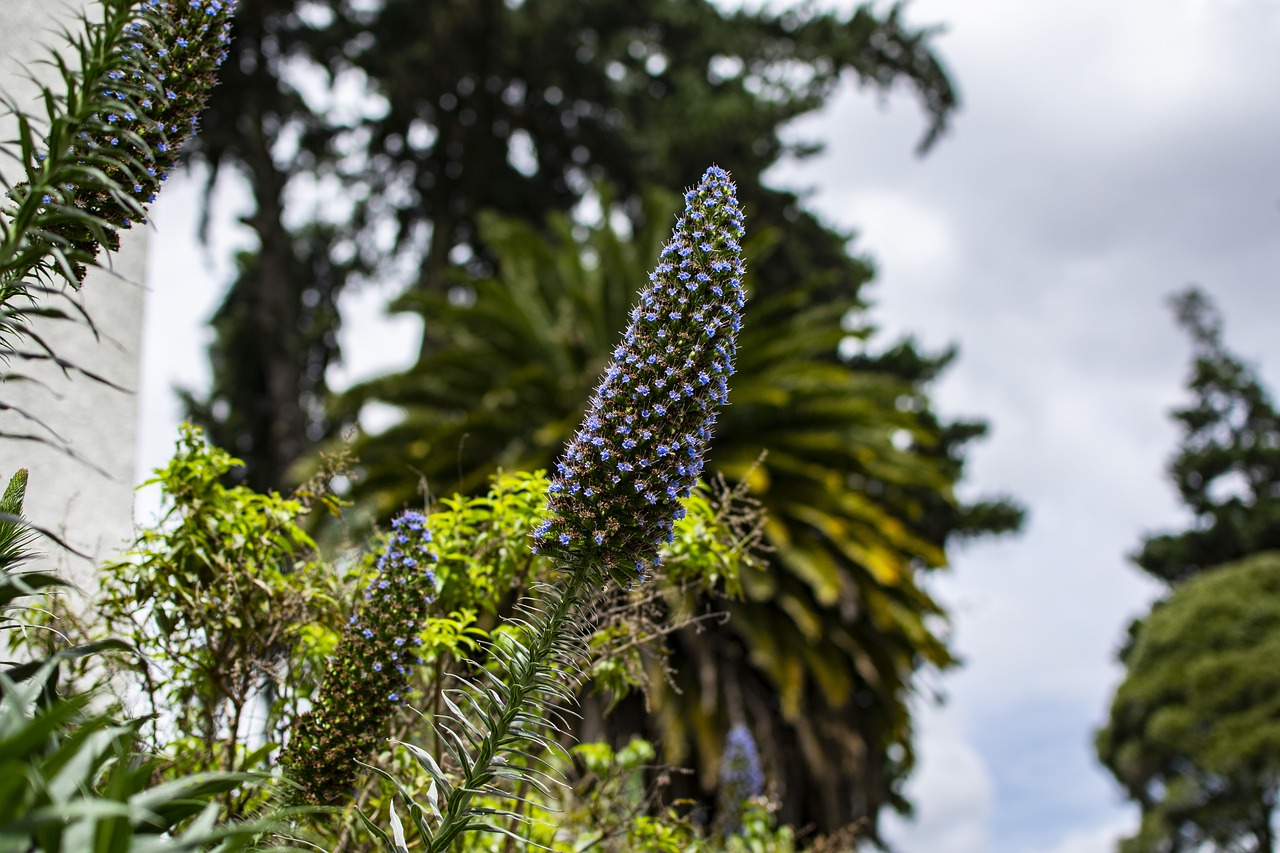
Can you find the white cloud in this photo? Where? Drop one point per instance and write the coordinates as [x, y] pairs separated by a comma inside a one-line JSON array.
[[955, 796], [900, 225], [1098, 839]]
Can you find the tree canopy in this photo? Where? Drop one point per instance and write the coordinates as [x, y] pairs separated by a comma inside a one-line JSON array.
[[1192, 734], [1194, 731], [1227, 468], [516, 108]]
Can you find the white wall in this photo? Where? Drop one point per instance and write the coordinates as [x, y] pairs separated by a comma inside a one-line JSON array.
[[92, 509]]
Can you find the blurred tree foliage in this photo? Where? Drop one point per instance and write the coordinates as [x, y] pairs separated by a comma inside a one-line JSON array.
[[1227, 469], [461, 106], [522, 110], [1194, 732]]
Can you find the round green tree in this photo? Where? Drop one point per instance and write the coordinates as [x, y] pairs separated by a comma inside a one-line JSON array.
[[1194, 732]]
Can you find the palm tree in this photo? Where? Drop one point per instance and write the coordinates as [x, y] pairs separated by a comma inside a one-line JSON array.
[[822, 652]]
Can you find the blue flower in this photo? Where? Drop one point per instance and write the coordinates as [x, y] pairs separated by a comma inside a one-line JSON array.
[[741, 776]]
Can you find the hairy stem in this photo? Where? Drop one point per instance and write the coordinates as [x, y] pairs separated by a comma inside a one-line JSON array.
[[522, 680]]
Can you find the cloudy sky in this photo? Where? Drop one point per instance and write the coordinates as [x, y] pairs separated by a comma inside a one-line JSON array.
[[1107, 155]]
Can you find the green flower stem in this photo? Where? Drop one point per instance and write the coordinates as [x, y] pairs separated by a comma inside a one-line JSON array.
[[536, 659]]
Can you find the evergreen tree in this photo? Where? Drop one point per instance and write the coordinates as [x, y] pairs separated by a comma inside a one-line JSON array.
[[1191, 734], [1194, 732], [1227, 468]]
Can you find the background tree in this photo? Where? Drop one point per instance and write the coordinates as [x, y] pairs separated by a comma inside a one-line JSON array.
[[276, 330], [1194, 732], [517, 108], [1227, 468], [1192, 735]]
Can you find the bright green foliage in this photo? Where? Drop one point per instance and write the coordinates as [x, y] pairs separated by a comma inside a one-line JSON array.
[[1227, 469], [483, 542], [485, 563], [836, 625], [611, 802], [1194, 731], [216, 596]]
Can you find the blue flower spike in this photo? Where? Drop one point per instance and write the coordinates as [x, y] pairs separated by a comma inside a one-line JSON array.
[[366, 679], [741, 777], [139, 133], [615, 497]]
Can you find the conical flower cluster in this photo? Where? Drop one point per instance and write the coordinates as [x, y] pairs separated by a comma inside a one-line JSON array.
[[370, 670], [640, 448], [151, 101], [741, 777]]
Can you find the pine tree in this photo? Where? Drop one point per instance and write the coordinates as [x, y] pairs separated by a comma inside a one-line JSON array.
[[1227, 467]]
